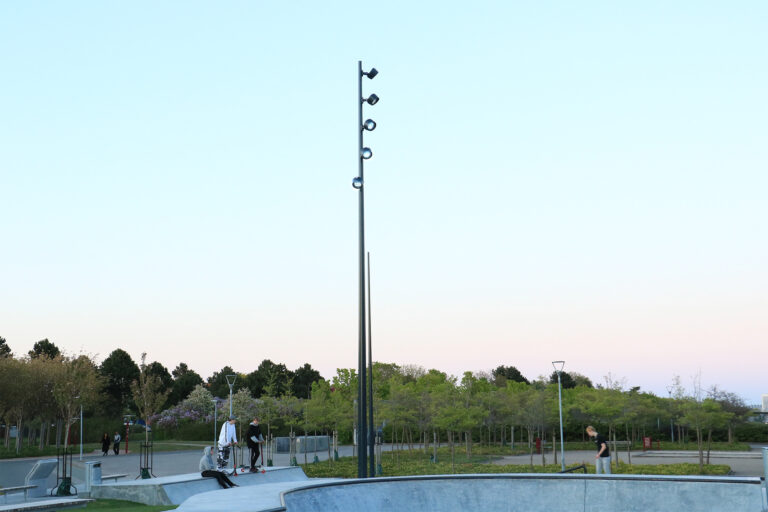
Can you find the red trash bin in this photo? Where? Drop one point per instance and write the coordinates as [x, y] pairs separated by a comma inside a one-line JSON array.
[[647, 443]]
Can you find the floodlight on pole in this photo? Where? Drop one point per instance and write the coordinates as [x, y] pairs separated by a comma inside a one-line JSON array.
[[231, 382], [559, 365], [364, 440]]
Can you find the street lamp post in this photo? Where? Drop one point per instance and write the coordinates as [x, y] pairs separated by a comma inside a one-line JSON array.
[[231, 382], [559, 365], [671, 420], [363, 153], [81, 431], [215, 410]]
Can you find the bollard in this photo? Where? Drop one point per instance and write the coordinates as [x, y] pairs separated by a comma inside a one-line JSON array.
[[765, 478], [765, 467]]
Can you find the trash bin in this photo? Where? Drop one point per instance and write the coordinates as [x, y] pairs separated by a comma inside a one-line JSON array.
[[92, 474]]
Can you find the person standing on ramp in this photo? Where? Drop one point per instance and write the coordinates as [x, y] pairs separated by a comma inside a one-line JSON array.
[[254, 439]]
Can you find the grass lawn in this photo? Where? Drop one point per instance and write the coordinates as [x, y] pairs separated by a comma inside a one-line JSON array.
[[403, 463], [126, 506]]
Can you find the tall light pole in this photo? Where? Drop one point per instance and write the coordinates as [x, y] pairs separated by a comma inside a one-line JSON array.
[[559, 365], [371, 439], [81, 431], [215, 410], [231, 382], [671, 421], [363, 153]]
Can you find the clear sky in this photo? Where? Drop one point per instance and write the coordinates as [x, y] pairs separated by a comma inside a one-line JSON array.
[[551, 180]]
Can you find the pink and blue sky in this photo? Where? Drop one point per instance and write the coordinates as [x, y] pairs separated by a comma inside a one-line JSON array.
[[552, 180]]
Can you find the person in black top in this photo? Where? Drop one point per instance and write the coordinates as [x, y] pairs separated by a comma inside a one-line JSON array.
[[105, 442], [254, 439], [603, 457]]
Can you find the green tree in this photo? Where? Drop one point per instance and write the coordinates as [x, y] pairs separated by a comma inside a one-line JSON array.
[[733, 404], [303, 378], [148, 393], [119, 371], [269, 378], [5, 350], [580, 380], [504, 373], [15, 392], [184, 381], [217, 382], [566, 380], [44, 348], [78, 384]]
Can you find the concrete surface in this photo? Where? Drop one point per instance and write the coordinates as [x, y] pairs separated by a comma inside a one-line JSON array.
[[45, 504], [531, 493], [266, 497], [174, 490]]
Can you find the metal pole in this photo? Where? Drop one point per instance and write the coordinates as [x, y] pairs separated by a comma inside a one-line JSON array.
[[560, 400], [362, 463], [765, 468], [81, 431], [215, 410], [230, 400], [371, 444]]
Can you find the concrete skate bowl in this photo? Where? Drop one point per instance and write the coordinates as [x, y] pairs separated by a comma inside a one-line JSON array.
[[532, 493]]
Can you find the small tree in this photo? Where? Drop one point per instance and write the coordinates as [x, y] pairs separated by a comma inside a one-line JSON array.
[[148, 393], [76, 385]]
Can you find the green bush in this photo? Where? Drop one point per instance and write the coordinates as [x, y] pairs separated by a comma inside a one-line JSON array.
[[751, 432]]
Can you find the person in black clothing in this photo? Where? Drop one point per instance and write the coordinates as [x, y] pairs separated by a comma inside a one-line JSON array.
[[254, 439], [208, 468], [105, 442], [603, 457]]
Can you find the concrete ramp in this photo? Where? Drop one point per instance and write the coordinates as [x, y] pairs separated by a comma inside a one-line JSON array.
[[173, 490], [262, 498], [531, 493]]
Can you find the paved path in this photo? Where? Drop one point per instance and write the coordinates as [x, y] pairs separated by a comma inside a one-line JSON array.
[[741, 463], [13, 471]]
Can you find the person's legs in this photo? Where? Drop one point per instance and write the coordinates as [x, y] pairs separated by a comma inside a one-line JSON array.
[[254, 457], [226, 479], [220, 478], [223, 458], [598, 465], [606, 461]]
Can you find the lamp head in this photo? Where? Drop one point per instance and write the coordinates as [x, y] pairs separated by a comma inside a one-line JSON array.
[[369, 125], [372, 99], [357, 183], [558, 365], [372, 73], [366, 153]]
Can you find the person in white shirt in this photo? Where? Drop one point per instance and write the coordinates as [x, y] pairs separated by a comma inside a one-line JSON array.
[[227, 439]]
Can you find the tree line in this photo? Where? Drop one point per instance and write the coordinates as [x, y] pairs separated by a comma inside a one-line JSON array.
[[412, 405]]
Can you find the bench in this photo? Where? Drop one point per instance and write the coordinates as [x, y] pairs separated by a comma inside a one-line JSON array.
[[5, 490], [113, 477]]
